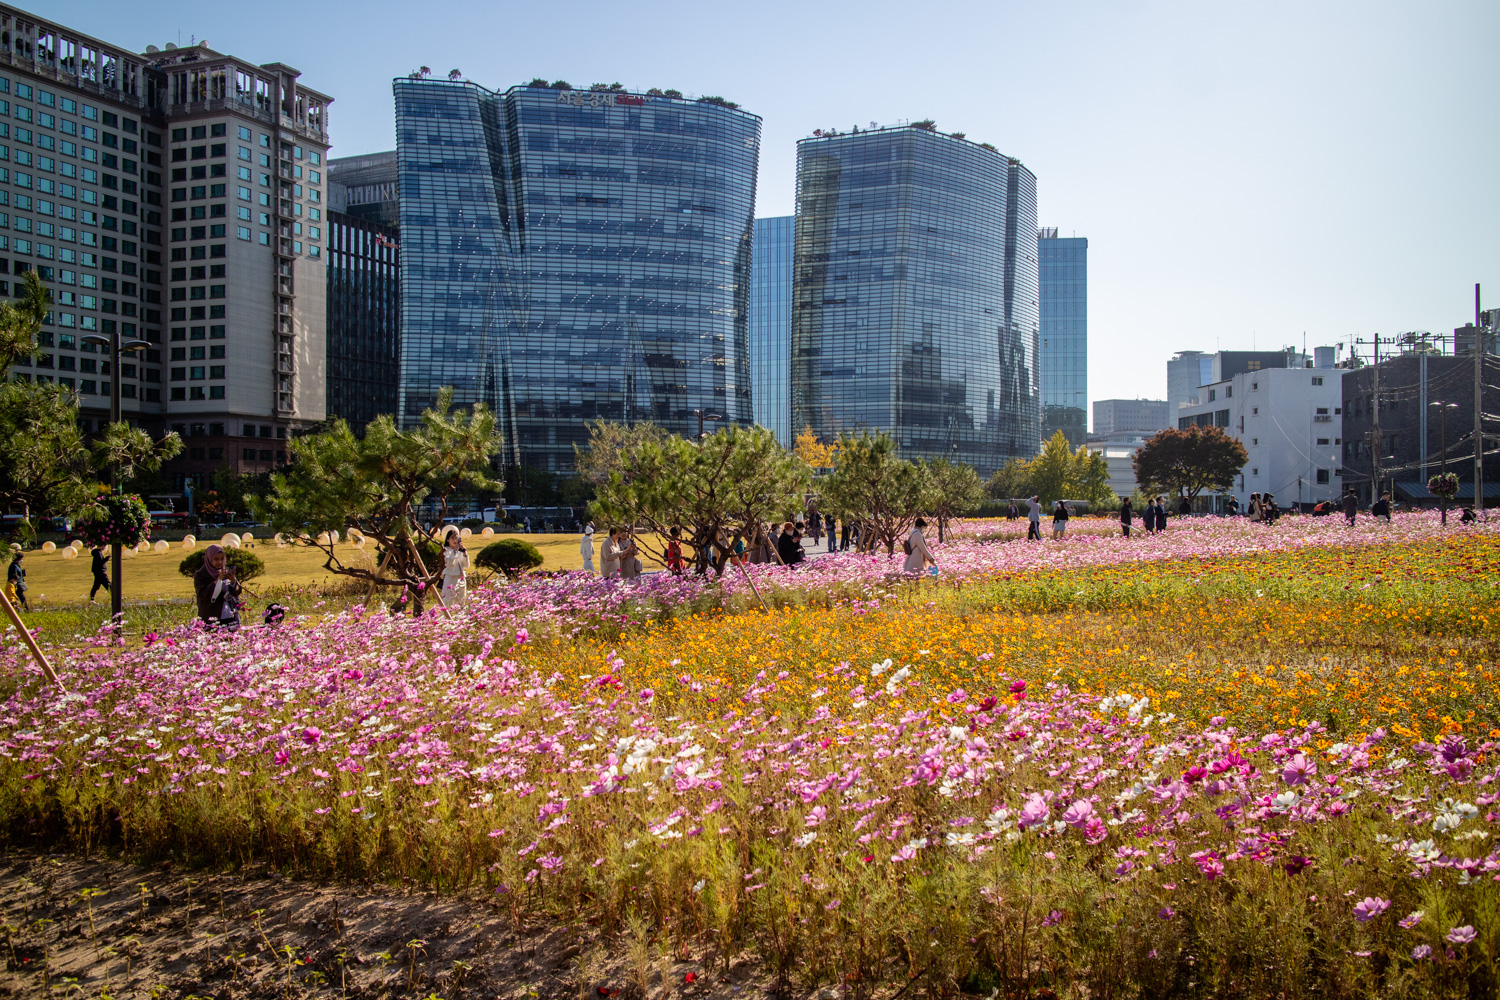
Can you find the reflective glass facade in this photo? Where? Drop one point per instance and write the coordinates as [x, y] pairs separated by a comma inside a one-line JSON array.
[[364, 318], [1065, 335], [915, 295], [771, 326], [569, 256]]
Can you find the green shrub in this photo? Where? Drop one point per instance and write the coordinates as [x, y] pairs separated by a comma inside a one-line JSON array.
[[246, 563], [510, 556]]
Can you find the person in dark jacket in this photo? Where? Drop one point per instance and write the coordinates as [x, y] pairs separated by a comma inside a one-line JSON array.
[[1382, 508], [844, 536], [1350, 505], [1185, 508], [1126, 515], [217, 588], [15, 579], [832, 527], [789, 545], [101, 579]]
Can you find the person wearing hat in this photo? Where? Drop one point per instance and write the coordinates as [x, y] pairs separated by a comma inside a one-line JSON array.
[[586, 548]]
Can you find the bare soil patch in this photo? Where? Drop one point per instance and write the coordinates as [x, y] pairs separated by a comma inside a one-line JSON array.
[[97, 928]]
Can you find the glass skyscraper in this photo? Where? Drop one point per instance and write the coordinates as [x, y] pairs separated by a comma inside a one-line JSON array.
[[915, 294], [574, 255], [1065, 335], [771, 326], [364, 318]]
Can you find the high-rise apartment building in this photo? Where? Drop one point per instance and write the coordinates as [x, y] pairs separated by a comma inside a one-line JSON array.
[[574, 255], [1114, 415], [1064, 360], [915, 294], [364, 318], [771, 326], [173, 197]]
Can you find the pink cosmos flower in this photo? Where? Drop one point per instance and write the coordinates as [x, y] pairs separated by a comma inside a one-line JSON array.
[[1421, 951], [311, 735], [1369, 908], [1078, 814], [957, 696], [647, 696], [1034, 811], [1461, 935], [905, 854], [1298, 770], [1053, 919], [1412, 919]]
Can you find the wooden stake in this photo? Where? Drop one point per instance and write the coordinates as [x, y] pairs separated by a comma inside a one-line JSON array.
[[26, 637]]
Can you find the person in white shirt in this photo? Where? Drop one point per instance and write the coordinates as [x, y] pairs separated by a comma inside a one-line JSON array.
[[455, 571], [609, 556], [586, 548]]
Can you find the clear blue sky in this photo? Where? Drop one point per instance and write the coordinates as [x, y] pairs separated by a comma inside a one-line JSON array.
[[1244, 173]]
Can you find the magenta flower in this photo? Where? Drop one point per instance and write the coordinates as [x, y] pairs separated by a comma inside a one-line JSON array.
[[1421, 951], [522, 636], [1018, 689], [1461, 935], [1053, 919], [957, 696], [647, 696], [1369, 908], [311, 735], [1412, 919]]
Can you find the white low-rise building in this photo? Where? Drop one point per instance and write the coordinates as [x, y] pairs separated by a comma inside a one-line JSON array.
[[1119, 451], [1290, 421]]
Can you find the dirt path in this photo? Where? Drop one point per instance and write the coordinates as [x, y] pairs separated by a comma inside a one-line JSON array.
[[96, 928]]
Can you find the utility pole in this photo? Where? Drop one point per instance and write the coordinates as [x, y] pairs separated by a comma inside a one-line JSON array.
[[1443, 409], [1375, 440], [1478, 408]]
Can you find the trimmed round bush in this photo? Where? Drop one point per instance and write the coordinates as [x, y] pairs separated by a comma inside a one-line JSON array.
[[510, 556], [246, 563]]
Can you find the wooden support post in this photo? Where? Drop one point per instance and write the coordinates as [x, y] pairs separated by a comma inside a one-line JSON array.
[[26, 637], [417, 555]]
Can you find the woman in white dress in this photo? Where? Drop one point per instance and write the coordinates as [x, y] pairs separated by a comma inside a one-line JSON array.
[[455, 571], [586, 549]]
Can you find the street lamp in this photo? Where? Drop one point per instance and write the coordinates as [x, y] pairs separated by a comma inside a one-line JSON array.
[[116, 348], [702, 417], [1443, 409]]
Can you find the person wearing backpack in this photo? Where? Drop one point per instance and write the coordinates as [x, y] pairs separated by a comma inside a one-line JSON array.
[[918, 555]]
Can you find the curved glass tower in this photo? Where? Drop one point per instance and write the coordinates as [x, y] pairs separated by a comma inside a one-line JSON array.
[[915, 295], [574, 255]]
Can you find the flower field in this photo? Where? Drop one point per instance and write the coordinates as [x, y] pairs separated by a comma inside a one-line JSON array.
[[1231, 760]]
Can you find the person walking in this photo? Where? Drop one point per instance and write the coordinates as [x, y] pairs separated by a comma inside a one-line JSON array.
[[1350, 503], [815, 522], [788, 547], [217, 589], [844, 536], [918, 555], [15, 581], [1011, 513], [101, 579], [586, 549], [674, 553], [830, 525], [1161, 515], [1126, 515], [1059, 520], [1033, 520], [455, 592]]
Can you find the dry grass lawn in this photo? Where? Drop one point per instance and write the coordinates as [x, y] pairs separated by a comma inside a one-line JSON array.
[[56, 581]]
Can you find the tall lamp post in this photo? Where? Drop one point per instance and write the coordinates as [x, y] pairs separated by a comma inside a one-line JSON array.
[[116, 348], [1443, 409], [702, 417]]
